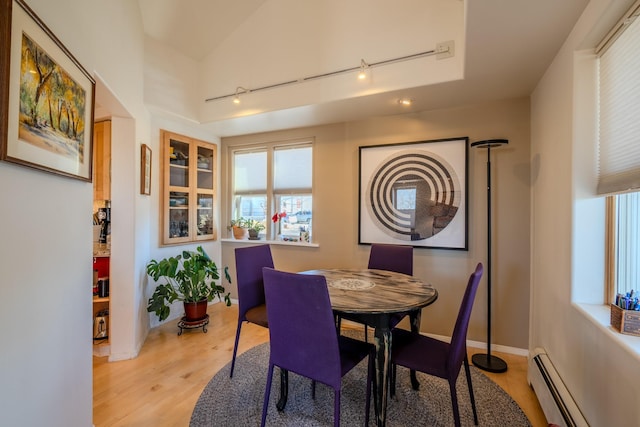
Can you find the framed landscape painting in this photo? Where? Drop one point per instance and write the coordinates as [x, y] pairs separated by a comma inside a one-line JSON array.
[[46, 97], [414, 194]]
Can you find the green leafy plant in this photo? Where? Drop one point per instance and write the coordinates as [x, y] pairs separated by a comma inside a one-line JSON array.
[[256, 225], [240, 222], [188, 277]]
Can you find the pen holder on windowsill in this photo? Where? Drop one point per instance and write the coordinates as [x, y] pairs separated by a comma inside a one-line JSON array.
[[625, 321]]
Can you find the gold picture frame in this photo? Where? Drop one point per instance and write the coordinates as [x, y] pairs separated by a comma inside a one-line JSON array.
[[46, 97], [145, 170]]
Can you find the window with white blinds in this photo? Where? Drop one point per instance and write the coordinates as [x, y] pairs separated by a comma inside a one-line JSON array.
[[619, 149], [274, 180], [619, 111]]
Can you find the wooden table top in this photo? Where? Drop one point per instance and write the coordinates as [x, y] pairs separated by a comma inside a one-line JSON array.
[[375, 291]]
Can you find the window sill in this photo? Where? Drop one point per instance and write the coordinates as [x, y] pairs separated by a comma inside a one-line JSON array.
[[271, 242], [601, 316]]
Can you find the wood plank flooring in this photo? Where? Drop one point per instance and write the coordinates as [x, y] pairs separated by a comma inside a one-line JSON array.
[[161, 386]]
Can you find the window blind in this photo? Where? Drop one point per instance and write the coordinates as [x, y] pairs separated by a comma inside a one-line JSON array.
[[619, 112], [250, 172], [293, 169]]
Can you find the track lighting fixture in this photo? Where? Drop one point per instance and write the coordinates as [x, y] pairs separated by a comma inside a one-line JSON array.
[[362, 74], [239, 90], [442, 50]]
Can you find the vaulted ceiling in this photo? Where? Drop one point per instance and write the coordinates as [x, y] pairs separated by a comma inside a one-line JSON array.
[[508, 46]]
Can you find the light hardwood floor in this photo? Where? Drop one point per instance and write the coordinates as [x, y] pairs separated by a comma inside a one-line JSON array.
[[161, 386]]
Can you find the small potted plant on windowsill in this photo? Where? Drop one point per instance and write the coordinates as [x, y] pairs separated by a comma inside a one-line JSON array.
[[189, 277], [254, 227], [239, 228]]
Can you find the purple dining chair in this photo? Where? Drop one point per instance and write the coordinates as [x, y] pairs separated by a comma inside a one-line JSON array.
[[251, 301], [439, 358], [304, 339], [396, 258]]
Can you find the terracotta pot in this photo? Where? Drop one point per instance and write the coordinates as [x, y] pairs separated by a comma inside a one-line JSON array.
[[240, 233], [194, 311]]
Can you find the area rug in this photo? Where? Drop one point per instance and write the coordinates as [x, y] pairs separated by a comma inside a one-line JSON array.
[[237, 401]]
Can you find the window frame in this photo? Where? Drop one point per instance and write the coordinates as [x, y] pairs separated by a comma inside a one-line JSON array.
[[271, 194]]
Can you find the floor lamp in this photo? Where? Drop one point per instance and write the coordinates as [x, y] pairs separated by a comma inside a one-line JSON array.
[[486, 361]]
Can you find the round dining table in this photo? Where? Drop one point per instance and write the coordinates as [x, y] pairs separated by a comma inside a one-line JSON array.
[[372, 297]]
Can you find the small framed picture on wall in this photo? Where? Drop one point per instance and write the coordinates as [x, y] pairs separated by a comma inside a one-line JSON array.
[[145, 169]]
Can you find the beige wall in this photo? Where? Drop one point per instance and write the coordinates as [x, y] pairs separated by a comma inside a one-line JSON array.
[[598, 365], [336, 211]]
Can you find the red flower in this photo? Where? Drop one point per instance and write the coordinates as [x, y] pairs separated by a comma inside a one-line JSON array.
[[277, 216]]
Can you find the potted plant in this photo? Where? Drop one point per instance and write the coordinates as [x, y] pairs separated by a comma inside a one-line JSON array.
[[239, 227], [254, 227], [188, 277]]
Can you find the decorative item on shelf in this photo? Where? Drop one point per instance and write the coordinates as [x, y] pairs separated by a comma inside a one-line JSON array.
[[203, 162], [276, 218], [254, 227], [178, 158], [304, 235], [189, 277], [239, 228]]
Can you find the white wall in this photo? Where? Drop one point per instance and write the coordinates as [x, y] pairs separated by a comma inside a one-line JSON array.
[[212, 248], [46, 244], [568, 236]]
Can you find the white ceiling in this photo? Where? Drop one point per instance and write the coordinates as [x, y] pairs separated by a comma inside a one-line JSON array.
[[509, 45]]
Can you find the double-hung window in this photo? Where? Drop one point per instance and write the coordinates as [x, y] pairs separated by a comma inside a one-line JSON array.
[[272, 184], [619, 151]]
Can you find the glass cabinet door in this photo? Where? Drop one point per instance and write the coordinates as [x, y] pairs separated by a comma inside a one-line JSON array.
[[189, 189], [205, 214]]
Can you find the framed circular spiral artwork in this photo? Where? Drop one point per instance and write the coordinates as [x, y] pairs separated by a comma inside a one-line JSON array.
[[414, 194]]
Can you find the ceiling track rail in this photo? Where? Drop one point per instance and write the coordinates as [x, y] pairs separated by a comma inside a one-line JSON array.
[[442, 49]]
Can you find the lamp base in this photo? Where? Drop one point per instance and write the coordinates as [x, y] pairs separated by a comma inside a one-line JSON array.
[[489, 363]]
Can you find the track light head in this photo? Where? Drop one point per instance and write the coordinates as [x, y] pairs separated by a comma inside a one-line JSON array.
[[239, 90], [362, 74]]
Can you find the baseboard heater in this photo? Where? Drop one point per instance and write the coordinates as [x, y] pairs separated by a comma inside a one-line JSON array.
[[554, 397]]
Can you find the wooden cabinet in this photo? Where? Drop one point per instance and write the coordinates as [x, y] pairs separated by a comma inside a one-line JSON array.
[[102, 160], [189, 183]]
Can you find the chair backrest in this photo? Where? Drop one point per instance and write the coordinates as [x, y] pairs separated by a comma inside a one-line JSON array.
[[458, 347], [303, 336], [398, 258], [249, 263]]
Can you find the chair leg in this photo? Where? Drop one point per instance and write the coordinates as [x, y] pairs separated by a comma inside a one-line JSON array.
[[336, 408], [235, 348], [313, 389], [473, 400], [454, 402], [284, 390], [392, 380], [267, 392], [366, 334]]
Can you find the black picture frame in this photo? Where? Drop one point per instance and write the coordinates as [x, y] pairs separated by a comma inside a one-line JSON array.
[[415, 194]]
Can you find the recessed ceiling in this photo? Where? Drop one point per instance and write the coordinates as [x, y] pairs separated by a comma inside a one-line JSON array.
[[509, 45]]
